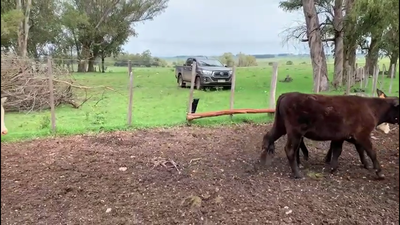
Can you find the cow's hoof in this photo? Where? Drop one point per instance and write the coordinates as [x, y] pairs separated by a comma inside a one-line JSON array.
[[366, 166], [297, 176], [334, 169], [380, 175]]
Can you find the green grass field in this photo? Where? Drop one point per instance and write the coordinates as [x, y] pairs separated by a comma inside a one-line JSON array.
[[159, 102]]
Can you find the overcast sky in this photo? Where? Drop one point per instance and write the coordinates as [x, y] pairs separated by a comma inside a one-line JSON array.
[[212, 27]]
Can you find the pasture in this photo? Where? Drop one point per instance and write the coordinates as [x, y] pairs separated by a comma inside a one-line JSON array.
[[170, 174]]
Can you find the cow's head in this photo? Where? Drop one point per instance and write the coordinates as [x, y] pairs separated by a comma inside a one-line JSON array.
[[3, 125], [393, 113]]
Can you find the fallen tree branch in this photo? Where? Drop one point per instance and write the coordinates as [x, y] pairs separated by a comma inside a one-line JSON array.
[[26, 84], [193, 116]]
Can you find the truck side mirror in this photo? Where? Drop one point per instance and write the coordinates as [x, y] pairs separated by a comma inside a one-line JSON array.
[[225, 65]]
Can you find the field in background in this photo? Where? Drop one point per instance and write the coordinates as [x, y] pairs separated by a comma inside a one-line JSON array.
[[281, 60], [159, 102]]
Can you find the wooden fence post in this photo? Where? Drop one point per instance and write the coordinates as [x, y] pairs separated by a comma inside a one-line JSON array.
[[189, 110], [348, 80], [375, 80], [51, 89], [391, 79], [383, 77], [274, 80], [130, 103], [232, 100], [360, 72], [365, 72]]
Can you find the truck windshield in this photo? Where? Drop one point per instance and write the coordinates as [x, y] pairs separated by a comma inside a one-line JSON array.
[[210, 62]]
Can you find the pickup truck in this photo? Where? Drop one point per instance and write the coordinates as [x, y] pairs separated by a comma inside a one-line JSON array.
[[209, 73]]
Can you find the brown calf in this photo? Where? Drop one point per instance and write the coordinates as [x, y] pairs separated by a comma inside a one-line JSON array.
[[328, 118], [334, 157]]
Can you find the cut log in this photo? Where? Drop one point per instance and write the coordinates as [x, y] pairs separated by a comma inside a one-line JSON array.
[[193, 116]]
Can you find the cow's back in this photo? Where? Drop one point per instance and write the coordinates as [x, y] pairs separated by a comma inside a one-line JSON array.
[[316, 113]]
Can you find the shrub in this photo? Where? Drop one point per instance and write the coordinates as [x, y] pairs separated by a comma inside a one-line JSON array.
[[289, 63]]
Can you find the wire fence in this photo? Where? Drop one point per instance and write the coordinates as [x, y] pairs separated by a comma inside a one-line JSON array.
[[123, 96]]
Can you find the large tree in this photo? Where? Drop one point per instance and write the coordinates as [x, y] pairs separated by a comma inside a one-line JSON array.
[[317, 53], [372, 27], [314, 33], [107, 23], [29, 28], [338, 42], [23, 30]]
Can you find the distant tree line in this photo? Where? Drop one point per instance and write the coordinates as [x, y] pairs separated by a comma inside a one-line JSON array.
[[240, 60], [145, 59]]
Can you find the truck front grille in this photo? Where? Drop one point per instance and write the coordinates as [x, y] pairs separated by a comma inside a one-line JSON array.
[[221, 74]]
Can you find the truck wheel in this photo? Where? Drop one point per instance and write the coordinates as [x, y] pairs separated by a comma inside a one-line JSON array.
[[197, 84], [180, 82]]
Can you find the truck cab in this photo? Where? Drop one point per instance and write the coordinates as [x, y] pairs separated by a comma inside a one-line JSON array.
[[209, 73]]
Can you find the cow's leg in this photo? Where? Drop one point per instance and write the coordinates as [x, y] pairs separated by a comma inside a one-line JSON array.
[[328, 156], [366, 144], [336, 148], [268, 144], [363, 159], [360, 151], [304, 149], [292, 145]]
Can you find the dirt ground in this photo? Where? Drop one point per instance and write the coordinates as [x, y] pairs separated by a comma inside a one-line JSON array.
[[191, 175]]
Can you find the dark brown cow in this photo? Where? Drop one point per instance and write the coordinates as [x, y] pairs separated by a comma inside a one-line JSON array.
[[384, 127], [328, 118]]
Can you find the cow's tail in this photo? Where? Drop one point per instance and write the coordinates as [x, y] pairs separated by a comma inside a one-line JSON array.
[[277, 115], [269, 137]]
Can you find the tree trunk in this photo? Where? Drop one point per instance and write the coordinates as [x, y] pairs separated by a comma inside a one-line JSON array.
[[393, 61], [81, 66], [316, 48], [85, 54], [372, 56], [23, 30], [102, 64], [71, 61], [349, 42], [91, 65], [338, 26]]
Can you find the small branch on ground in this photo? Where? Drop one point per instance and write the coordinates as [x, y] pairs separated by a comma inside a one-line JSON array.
[[164, 162], [194, 160]]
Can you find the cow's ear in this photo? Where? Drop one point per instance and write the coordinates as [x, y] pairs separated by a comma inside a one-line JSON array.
[[4, 99], [380, 93]]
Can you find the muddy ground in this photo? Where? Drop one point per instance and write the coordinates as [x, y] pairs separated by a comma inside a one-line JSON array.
[[131, 178]]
